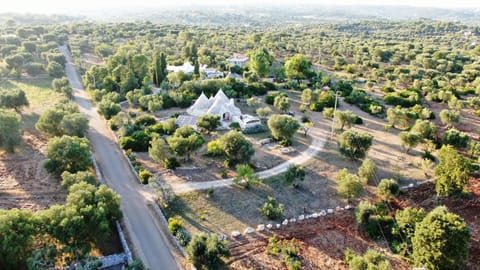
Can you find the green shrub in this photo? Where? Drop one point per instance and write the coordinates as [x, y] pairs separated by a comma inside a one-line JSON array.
[[305, 119], [288, 248], [145, 176], [270, 98], [455, 138], [138, 141], [206, 251], [358, 97], [271, 209], [404, 98], [363, 212], [171, 163], [328, 112], [387, 89], [317, 106], [358, 120], [126, 142], [388, 188], [372, 259], [144, 121], [293, 263], [235, 126], [294, 172], [215, 148], [174, 225], [183, 237], [156, 128]]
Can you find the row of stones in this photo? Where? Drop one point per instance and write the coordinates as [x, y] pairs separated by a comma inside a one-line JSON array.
[[285, 222]]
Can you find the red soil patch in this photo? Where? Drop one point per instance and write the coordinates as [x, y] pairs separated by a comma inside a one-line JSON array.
[[468, 208], [323, 243]]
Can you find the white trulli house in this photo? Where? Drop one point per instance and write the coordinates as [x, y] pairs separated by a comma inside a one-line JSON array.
[[224, 107], [219, 105]]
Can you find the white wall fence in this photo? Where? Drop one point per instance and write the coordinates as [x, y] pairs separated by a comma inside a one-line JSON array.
[[127, 252]]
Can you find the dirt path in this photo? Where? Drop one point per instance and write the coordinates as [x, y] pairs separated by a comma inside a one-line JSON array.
[[319, 139]]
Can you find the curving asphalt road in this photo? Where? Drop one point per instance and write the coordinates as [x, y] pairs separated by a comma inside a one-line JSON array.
[[317, 144], [148, 236]]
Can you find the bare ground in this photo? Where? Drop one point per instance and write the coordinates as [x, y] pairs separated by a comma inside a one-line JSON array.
[[24, 182], [323, 243]]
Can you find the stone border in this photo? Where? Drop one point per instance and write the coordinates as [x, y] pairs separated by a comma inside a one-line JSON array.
[[159, 212], [126, 249], [154, 205], [287, 221]]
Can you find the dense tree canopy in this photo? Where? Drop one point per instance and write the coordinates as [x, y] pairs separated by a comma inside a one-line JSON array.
[[297, 67], [354, 145], [184, 141], [87, 216], [441, 241], [67, 153], [208, 122], [452, 172], [261, 61], [63, 119], [10, 127], [283, 127], [13, 99], [17, 231]]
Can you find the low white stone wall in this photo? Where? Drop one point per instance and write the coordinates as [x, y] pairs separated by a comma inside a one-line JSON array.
[[121, 235], [291, 221]]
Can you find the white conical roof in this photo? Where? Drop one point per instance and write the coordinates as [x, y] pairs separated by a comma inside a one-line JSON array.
[[200, 106], [217, 105], [222, 105], [221, 97]]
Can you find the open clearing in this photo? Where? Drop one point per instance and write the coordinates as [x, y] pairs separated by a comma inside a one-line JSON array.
[[24, 183], [232, 208]]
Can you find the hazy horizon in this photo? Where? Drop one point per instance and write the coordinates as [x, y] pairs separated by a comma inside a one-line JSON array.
[[60, 6]]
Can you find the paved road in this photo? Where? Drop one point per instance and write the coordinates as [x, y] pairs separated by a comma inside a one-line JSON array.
[[149, 238], [317, 144]]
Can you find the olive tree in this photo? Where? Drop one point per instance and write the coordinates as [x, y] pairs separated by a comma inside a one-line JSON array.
[[354, 145], [452, 171], [205, 251], [68, 153], [184, 141], [13, 99], [410, 140], [349, 185], [208, 122], [449, 117], [10, 135], [441, 241], [283, 127]]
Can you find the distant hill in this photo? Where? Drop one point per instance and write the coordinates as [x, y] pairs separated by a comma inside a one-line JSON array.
[[258, 15]]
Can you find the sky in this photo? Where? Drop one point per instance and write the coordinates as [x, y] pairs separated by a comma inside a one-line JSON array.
[[59, 6]]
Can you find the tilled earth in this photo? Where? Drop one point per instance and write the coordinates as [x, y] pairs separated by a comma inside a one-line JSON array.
[[24, 182], [325, 239], [323, 242]]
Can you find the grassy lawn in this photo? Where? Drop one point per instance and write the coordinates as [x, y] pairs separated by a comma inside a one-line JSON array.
[[39, 95]]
